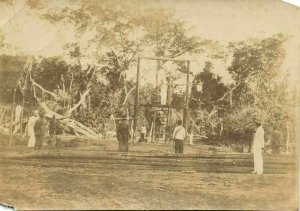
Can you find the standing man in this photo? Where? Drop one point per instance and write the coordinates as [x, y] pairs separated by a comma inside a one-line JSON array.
[[39, 130], [143, 133], [123, 134], [52, 130], [191, 132], [178, 136], [275, 141], [30, 131], [258, 147], [52, 126]]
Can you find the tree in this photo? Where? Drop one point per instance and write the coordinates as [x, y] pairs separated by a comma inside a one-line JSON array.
[[11, 70], [255, 92], [121, 30], [212, 89]]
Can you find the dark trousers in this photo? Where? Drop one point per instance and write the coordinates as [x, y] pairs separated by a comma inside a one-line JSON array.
[[142, 138], [178, 146], [38, 142], [275, 150]]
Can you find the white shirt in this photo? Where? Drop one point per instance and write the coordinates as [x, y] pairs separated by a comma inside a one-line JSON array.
[[143, 129], [179, 133]]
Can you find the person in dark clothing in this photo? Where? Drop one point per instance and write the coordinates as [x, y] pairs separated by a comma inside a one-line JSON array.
[[39, 130], [143, 133], [123, 134], [275, 141], [52, 131], [52, 126]]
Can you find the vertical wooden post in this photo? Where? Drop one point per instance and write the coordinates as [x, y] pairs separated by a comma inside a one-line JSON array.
[[136, 102], [185, 112], [12, 117], [153, 131]]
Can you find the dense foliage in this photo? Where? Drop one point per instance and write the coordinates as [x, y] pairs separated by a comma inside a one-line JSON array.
[[90, 80]]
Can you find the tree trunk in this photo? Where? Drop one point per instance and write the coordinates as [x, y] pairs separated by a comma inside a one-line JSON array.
[[230, 98], [18, 113], [221, 130]]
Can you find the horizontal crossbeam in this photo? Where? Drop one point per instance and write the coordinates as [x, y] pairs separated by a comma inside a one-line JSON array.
[[166, 59]]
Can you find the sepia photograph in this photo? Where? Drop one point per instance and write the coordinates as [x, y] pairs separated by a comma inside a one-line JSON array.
[[149, 104]]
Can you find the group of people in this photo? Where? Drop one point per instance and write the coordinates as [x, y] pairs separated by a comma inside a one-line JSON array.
[[123, 132], [37, 129], [179, 135]]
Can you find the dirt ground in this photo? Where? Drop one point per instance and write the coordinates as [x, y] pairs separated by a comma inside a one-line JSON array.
[[36, 187]]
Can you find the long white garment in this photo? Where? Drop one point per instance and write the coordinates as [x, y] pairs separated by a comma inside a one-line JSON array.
[[30, 126], [258, 144], [163, 94], [18, 112]]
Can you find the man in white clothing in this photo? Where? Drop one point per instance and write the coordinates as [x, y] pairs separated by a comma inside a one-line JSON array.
[[30, 130], [178, 136], [258, 147]]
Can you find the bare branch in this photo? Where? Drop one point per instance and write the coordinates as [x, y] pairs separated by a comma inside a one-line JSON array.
[[247, 80], [44, 90], [79, 102], [127, 95]]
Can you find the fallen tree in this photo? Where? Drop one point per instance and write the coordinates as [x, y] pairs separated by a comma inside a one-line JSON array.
[[68, 123], [78, 128]]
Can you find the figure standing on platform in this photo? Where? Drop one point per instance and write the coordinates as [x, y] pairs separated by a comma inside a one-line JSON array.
[[258, 147], [179, 136], [123, 134], [30, 131], [163, 93]]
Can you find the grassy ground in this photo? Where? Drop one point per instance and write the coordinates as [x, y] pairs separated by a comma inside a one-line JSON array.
[[35, 186]]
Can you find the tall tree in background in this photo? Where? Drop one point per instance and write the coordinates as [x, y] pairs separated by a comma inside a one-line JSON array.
[[212, 89], [119, 31], [254, 68]]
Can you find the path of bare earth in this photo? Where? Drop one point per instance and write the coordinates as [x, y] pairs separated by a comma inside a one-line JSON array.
[[96, 176]]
